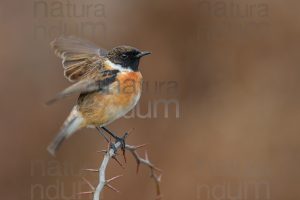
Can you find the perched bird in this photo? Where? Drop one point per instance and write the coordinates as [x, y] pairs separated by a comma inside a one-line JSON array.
[[109, 84]]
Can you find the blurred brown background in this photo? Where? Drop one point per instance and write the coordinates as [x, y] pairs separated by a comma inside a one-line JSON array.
[[236, 69]]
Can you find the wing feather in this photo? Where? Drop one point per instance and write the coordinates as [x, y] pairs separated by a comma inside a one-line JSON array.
[[87, 86], [76, 45], [80, 58]]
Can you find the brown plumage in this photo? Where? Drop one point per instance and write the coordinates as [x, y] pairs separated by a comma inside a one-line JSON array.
[[109, 83]]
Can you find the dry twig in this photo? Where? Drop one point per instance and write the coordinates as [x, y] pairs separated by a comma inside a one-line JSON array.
[[111, 151]]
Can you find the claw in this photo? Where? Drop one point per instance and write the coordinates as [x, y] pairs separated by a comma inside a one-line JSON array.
[[123, 144], [118, 139]]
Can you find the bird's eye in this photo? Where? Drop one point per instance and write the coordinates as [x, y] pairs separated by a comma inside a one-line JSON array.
[[124, 56]]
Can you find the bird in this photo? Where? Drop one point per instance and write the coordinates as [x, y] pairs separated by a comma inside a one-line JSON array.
[[109, 84]]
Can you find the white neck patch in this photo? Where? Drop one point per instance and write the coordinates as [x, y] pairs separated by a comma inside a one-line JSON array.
[[118, 66]]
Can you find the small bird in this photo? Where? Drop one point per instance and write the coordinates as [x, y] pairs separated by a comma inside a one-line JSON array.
[[109, 84]]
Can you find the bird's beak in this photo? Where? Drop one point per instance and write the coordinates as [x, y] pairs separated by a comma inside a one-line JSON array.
[[143, 53]]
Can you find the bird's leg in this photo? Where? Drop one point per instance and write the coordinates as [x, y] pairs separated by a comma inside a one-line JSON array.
[[118, 139], [110, 132], [101, 133]]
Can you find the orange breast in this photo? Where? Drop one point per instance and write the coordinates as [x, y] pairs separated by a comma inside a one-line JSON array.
[[101, 108]]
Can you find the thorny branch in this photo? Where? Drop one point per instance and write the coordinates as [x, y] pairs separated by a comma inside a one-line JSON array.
[[111, 152], [145, 161]]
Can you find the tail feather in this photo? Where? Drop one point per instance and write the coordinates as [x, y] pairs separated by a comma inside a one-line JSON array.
[[72, 124]]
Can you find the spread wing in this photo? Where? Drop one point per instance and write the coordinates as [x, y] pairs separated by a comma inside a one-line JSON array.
[[81, 59], [83, 63]]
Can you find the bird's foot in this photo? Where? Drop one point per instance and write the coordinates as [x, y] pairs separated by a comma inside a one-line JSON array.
[[118, 139], [123, 143]]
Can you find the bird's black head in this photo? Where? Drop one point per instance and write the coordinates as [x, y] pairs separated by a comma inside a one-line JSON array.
[[126, 56]]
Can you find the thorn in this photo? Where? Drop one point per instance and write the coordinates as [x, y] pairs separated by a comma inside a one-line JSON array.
[[84, 193], [91, 170], [152, 174], [140, 146], [116, 159], [157, 169], [124, 155], [137, 166], [113, 178], [126, 135], [146, 156], [102, 151], [111, 187], [89, 184], [130, 131], [159, 178]]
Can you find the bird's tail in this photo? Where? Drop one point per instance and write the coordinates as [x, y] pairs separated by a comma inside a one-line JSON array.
[[73, 123]]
